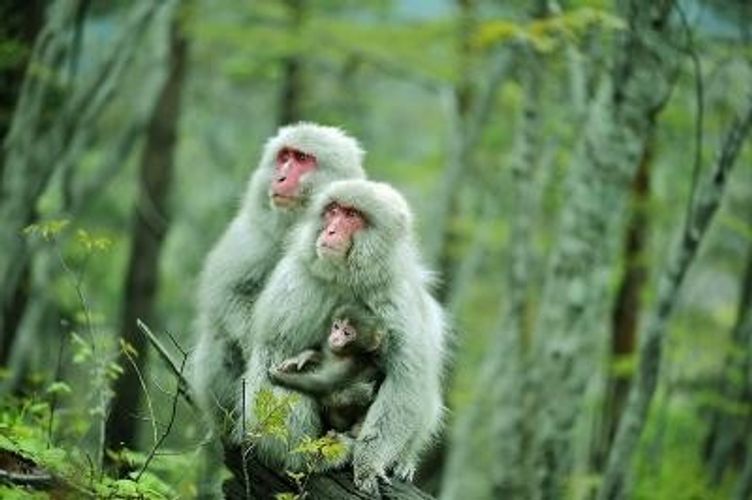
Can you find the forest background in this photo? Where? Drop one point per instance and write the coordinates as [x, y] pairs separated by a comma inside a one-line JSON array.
[[581, 184]]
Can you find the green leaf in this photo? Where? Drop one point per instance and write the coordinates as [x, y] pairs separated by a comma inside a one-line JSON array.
[[59, 388]]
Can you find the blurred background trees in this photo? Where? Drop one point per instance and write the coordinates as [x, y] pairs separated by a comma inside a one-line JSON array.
[[581, 176]]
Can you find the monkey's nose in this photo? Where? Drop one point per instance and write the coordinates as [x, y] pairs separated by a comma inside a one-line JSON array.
[[282, 178], [331, 232]]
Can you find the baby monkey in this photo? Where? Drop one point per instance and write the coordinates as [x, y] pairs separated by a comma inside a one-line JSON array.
[[344, 374]]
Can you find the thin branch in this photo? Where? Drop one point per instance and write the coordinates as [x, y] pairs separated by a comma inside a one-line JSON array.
[[125, 348], [691, 51], [183, 387], [56, 377], [36, 481], [170, 423]]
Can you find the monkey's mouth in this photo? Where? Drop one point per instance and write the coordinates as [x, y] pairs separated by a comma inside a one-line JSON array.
[[327, 251], [282, 201]]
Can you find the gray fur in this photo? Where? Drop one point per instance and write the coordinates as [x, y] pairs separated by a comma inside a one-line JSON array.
[[384, 272], [343, 381], [236, 269]]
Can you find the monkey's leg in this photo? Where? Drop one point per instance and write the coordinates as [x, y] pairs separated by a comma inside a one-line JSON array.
[[303, 419], [214, 376]]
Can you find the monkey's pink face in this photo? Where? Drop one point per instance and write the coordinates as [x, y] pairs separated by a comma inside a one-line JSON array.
[[291, 166], [340, 225], [341, 335]]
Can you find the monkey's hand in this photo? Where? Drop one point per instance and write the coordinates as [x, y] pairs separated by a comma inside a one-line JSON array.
[[297, 363]]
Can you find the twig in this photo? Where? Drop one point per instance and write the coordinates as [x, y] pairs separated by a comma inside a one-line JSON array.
[[125, 347], [183, 387], [245, 449], [36, 481], [53, 402], [170, 423]]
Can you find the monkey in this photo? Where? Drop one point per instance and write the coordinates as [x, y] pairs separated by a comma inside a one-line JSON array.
[[295, 164], [354, 243], [345, 371]]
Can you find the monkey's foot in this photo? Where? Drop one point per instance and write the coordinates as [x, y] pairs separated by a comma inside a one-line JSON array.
[[405, 471], [366, 479]]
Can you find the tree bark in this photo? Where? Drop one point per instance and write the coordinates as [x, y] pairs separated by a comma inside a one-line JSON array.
[[37, 144], [150, 225], [496, 418], [625, 313], [575, 296], [462, 106], [727, 437], [264, 483], [701, 213], [22, 21], [24, 169], [292, 88]]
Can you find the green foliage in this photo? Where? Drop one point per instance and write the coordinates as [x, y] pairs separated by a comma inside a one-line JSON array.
[[47, 229], [12, 53], [23, 431], [547, 35], [271, 412], [327, 448]]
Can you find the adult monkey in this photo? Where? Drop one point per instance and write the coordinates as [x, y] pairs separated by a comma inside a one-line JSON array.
[[295, 164], [354, 244]]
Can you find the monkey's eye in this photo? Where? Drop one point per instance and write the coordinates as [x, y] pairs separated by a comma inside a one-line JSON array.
[[336, 325], [350, 213], [300, 156]]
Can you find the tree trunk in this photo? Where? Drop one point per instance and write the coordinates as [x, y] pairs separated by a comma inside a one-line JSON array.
[[700, 215], [291, 91], [462, 105], [51, 124], [573, 308], [22, 21], [727, 437], [496, 418], [625, 313], [25, 166], [151, 222]]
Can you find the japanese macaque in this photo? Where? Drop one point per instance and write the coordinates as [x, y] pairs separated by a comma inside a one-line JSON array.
[[344, 374], [354, 244], [295, 164]]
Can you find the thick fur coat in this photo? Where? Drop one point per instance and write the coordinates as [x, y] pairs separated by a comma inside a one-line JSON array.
[[238, 266], [384, 273]]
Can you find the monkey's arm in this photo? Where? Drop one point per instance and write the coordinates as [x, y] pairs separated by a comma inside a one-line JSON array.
[[323, 380], [407, 409]]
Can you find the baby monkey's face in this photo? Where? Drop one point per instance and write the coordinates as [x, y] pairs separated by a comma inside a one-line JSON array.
[[342, 336]]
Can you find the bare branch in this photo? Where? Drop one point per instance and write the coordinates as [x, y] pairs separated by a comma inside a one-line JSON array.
[[183, 387]]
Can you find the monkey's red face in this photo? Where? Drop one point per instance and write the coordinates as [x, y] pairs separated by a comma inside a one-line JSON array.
[[340, 225], [291, 165], [341, 335]]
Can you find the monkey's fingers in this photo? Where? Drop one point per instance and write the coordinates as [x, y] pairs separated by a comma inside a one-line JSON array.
[[287, 365]]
